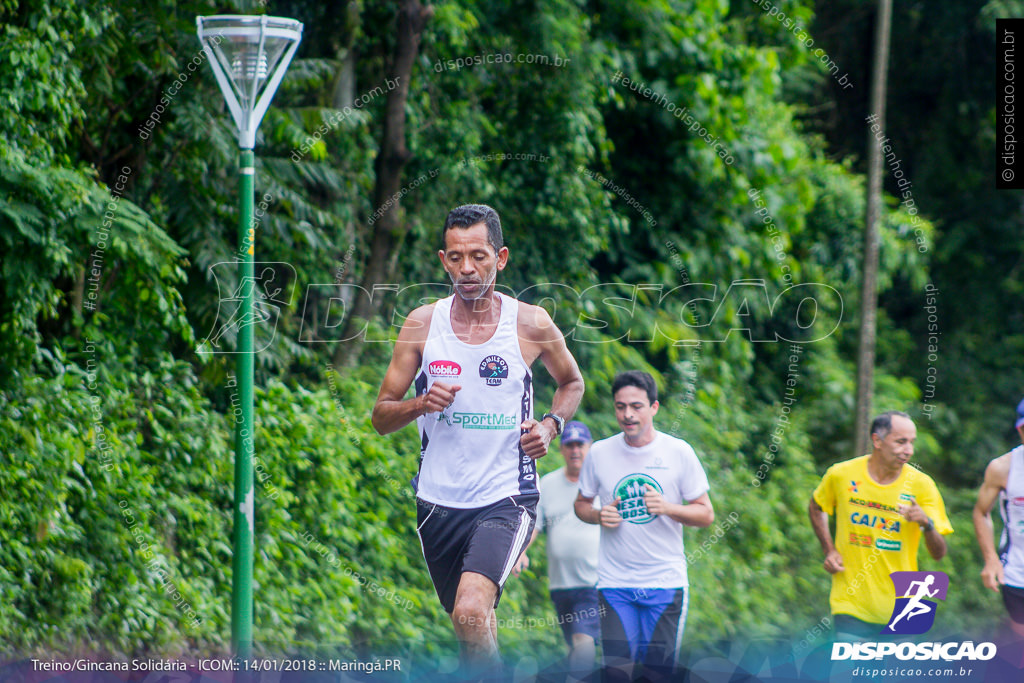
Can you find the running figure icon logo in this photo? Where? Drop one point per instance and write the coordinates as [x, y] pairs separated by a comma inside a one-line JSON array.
[[272, 289], [494, 369], [914, 613]]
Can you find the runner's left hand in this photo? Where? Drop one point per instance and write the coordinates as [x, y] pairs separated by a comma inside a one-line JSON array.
[[536, 439], [654, 501], [914, 513]]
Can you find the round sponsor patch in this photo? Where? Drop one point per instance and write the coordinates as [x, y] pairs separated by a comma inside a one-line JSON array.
[[630, 491], [493, 369]]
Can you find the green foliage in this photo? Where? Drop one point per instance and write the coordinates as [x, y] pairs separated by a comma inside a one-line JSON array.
[[88, 524], [117, 532], [69, 229], [41, 81]]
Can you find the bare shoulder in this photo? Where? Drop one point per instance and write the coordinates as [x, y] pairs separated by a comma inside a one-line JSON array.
[[998, 471], [417, 324], [536, 325]]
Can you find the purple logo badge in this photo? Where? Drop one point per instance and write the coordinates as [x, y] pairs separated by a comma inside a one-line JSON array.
[[916, 592]]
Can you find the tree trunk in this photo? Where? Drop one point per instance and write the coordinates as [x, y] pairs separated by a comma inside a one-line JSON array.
[[389, 231], [873, 212], [343, 89]]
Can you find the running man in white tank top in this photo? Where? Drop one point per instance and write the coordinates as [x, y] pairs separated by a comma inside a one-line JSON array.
[[470, 357], [1004, 571]]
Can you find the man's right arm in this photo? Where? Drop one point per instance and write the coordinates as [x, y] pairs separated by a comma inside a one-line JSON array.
[[996, 475], [607, 516], [819, 522], [392, 411], [584, 509]]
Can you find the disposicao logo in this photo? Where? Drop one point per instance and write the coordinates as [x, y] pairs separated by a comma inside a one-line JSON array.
[[914, 614]]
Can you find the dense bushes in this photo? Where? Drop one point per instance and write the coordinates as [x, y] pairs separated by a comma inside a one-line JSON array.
[[116, 523]]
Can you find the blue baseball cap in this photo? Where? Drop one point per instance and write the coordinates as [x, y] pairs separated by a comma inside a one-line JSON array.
[[1020, 414], [575, 431]]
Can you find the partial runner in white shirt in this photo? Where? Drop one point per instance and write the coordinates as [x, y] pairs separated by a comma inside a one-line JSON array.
[[1004, 571], [649, 486]]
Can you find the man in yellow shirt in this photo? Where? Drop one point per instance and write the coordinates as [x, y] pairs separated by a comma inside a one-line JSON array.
[[882, 510]]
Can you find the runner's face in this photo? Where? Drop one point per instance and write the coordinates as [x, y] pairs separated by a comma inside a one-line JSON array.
[[470, 261], [896, 449], [574, 453], [635, 414]]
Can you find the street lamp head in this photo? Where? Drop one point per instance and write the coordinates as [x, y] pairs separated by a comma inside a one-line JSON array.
[[249, 55]]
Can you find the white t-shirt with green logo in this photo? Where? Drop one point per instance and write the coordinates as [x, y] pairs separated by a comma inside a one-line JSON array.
[[572, 543], [644, 551]]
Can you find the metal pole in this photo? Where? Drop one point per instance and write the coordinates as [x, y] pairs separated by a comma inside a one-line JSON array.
[[241, 577]]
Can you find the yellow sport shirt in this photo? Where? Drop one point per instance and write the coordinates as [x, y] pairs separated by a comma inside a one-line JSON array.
[[872, 536]]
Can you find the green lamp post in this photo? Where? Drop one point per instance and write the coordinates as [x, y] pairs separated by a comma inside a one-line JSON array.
[[249, 56]]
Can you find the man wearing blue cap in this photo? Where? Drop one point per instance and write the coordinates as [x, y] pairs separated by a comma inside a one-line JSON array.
[[1004, 480], [572, 551]]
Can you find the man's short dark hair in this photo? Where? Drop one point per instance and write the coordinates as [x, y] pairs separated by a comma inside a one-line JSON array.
[[882, 424], [638, 379], [468, 215]]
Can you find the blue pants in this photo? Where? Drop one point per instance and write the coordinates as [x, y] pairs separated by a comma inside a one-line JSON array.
[[643, 625]]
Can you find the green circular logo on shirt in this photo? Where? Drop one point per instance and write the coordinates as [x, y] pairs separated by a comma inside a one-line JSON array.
[[630, 491]]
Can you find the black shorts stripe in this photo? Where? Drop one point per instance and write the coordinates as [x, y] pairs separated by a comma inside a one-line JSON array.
[[518, 545]]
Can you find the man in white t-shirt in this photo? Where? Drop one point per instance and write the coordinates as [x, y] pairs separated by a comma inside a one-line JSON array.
[[572, 551], [650, 485]]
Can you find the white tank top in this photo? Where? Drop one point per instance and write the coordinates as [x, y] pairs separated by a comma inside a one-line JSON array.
[[470, 454], [1011, 506]]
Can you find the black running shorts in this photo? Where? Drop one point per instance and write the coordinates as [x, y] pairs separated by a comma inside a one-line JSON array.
[[1013, 598], [487, 541]]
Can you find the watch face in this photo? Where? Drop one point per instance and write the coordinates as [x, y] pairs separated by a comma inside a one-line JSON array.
[[559, 422]]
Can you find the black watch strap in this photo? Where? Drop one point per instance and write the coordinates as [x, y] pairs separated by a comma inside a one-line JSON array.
[[559, 422]]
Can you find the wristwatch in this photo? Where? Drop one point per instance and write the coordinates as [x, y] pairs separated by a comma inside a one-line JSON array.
[[927, 527], [559, 422]]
